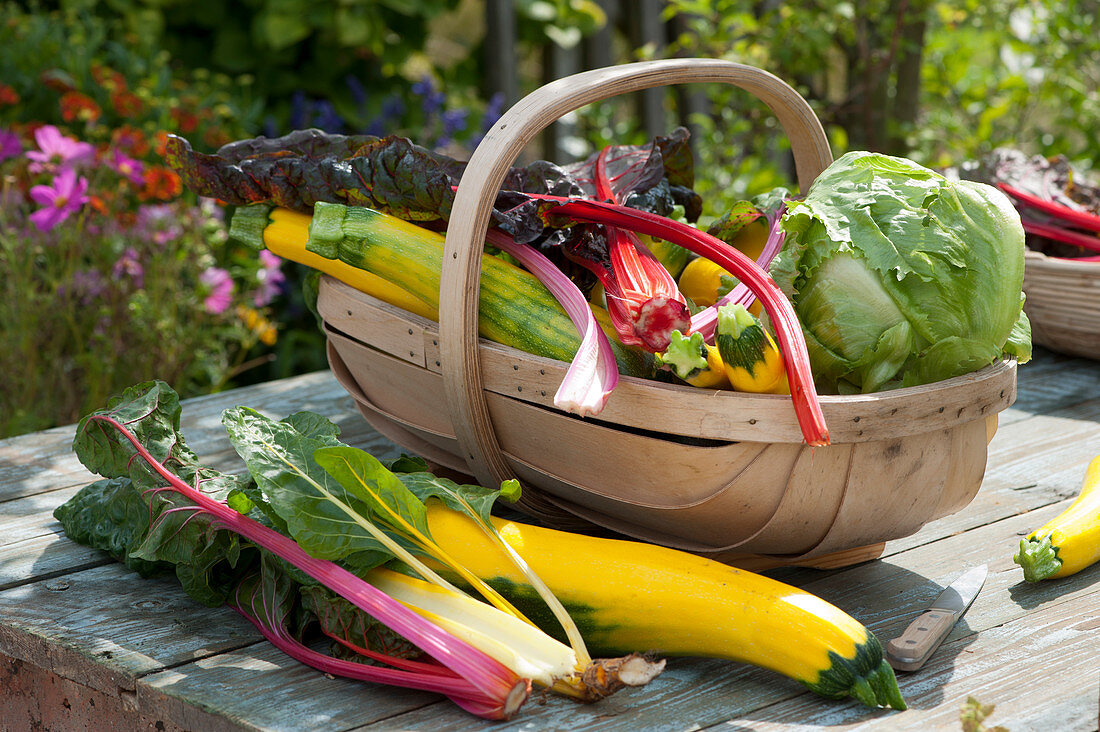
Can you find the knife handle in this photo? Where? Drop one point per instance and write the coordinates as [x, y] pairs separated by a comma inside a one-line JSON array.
[[911, 649]]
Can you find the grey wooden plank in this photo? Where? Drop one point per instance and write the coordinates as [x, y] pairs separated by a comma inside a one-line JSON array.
[[887, 595], [44, 461], [261, 688], [1051, 381], [1041, 671], [45, 557], [104, 626]]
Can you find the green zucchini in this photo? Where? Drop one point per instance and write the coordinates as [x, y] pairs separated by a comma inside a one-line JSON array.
[[514, 308]]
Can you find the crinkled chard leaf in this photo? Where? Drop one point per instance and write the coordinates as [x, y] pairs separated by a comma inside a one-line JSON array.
[[339, 619], [110, 515], [318, 512], [396, 176]]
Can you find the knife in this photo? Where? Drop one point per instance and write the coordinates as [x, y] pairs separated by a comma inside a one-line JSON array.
[[911, 649]]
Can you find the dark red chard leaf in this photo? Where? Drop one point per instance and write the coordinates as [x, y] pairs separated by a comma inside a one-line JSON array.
[[394, 175], [296, 171], [655, 177]]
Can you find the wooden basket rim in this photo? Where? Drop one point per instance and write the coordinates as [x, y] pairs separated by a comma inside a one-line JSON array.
[[1040, 261], [673, 408]]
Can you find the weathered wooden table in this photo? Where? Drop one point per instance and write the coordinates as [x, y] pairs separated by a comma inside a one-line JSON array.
[[86, 644]]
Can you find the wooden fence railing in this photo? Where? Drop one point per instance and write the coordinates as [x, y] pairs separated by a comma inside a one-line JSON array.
[[638, 22]]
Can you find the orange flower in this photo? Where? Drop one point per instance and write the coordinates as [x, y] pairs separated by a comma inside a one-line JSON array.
[[8, 95], [260, 326], [130, 140], [126, 104], [160, 143], [161, 183], [186, 122], [108, 78], [126, 219], [98, 205], [78, 106]]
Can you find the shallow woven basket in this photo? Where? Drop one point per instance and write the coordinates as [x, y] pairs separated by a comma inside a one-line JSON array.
[[1063, 304], [714, 472]]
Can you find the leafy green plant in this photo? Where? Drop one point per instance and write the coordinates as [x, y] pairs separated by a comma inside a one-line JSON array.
[[76, 69]]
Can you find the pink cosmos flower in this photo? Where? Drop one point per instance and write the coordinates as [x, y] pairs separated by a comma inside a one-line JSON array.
[[56, 151], [270, 277], [127, 167], [219, 286], [66, 195], [10, 146]]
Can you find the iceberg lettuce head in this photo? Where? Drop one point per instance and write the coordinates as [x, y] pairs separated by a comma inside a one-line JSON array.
[[901, 276]]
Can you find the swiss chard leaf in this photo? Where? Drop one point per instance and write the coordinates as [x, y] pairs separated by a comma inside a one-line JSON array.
[[169, 531], [382, 495], [396, 176], [319, 513], [151, 410], [110, 515], [339, 619], [654, 177]]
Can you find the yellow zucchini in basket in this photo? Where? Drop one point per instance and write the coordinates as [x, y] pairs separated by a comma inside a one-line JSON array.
[[753, 362], [287, 235], [401, 262], [633, 595], [1070, 541]]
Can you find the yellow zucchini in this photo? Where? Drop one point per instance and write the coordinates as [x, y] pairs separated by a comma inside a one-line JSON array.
[[753, 362], [400, 263], [626, 595], [1070, 541], [287, 235]]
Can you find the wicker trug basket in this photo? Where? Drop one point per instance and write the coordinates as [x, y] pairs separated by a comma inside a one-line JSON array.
[[719, 473], [1063, 304]]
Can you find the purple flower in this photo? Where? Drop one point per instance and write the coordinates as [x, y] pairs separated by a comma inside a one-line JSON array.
[[219, 289], [87, 285], [270, 277], [129, 265], [10, 146], [65, 196], [431, 100], [454, 120], [326, 117], [159, 223], [57, 151], [358, 92], [127, 167], [298, 110]]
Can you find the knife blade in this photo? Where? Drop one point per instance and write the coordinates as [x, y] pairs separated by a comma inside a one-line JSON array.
[[911, 649]]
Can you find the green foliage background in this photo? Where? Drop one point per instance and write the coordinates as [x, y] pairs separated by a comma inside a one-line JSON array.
[[940, 81]]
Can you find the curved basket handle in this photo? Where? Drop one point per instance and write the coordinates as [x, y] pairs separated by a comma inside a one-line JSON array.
[[461, 275]]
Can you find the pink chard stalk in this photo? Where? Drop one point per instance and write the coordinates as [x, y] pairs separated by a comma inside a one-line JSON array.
[[706, 320], [787, 328], [593, 374], [643, 300]]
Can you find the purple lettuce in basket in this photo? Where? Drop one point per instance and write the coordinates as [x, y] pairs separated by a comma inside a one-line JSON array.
[[1059, 206]]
